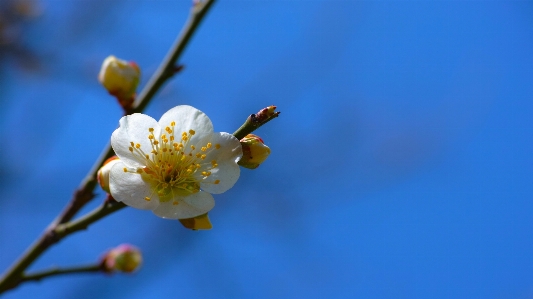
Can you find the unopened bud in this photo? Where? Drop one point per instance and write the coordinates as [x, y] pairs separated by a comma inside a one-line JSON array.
[[270, 110], [198, 222], [103, 173], [254, 151], [124, 258], [120, 78], [266, 114]]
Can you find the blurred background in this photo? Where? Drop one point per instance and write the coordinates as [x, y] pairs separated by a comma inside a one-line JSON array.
[[401, 164]]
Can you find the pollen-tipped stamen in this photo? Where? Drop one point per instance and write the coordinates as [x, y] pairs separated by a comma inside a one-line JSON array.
[[170, 169]]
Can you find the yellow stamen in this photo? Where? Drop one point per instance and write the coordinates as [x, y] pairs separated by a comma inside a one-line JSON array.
[[173, 175]]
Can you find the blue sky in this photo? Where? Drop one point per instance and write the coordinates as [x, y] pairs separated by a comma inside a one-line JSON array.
[[401, 163]]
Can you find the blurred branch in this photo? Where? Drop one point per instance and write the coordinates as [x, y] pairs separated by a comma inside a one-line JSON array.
[[108, 207], [14, 16], [168, 68], [60, 271], [59, 227]]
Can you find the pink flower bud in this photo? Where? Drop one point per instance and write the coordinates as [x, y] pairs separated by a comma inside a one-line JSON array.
[[124, 258]]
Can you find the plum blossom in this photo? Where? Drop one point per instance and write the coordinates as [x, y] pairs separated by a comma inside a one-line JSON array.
[[172, 166]]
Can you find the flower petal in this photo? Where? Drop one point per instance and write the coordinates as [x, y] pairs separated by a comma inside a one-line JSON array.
[[130, 188], [133, 128], [227, 172], [189, 206], [188, 118]]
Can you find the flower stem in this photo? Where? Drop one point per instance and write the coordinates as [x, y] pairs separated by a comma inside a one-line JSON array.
[[60, 271], [60, 227]]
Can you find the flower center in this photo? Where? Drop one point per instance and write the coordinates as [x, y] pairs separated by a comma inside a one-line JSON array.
[[174, 166]]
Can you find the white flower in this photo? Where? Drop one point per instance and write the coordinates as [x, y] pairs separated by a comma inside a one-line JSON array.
[[172, 166]]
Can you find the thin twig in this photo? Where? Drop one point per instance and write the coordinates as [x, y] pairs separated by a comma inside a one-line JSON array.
[[36, 276], [108, 207]]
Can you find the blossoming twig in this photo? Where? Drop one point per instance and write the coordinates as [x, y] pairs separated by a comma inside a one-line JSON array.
[[165, 71], [14, 275]]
